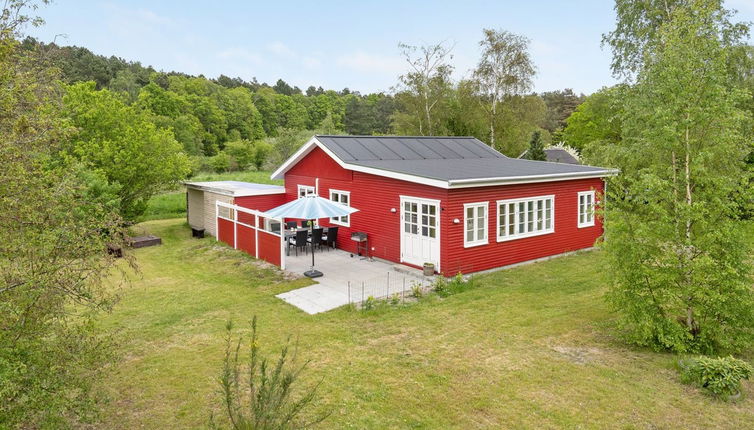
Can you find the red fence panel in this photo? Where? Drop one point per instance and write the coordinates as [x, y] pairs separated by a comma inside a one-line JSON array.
[[245, 240], [248, 233], [225, 231], [269, 248]]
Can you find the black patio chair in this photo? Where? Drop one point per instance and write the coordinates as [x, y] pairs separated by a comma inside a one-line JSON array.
[[330, 238], [291, 224], [300, 240], [316, 239]]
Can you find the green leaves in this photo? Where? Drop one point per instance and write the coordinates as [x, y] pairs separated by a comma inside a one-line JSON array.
[[720, 377], [124, 144], [678, 260]]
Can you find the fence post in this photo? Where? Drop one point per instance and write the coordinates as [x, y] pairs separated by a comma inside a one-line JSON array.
[[362, 291], [403, 291], [387, 293], [349, 292]]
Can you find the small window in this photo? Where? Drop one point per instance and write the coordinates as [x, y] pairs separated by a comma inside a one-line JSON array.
[[518, 218], [586, 209], [475, 220], [344, 198], [305, 190]]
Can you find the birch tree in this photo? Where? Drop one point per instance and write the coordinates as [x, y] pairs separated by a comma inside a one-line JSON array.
[[426, 87], [677, 253], [505, 70]]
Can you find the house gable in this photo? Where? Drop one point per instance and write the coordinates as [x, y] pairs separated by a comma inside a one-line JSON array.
[[318, 164]]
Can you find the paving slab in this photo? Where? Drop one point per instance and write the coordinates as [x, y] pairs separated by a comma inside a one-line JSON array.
[[346, 279]]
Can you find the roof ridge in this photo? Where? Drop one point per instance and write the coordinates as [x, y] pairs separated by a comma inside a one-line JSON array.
[[393, 136]]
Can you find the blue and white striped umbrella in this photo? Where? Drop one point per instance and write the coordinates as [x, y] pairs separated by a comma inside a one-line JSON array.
[[310, 207]]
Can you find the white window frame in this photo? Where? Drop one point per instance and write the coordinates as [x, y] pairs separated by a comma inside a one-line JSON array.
[[308, 190], [503, 205], [485, 239], [337, 220], [588, 213]]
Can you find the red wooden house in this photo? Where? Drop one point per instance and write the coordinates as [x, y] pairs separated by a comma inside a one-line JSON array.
[[451, 201]]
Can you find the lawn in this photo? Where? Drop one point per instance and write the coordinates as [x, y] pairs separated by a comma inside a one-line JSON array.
[[173, 204], [530, 347]]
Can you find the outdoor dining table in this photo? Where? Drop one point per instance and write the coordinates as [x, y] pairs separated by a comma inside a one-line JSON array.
[[292, 233]]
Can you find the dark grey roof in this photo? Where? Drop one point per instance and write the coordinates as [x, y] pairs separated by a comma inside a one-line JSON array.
[[442, 158], [560, 155], [363, 148]]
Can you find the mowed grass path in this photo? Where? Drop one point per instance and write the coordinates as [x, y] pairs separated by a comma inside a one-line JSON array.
[[529, 347]]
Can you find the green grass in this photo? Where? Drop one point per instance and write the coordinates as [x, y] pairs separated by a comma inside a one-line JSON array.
[[173, 204], [530, 347]]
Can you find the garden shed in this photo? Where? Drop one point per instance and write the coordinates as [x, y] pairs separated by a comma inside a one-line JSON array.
[[201, 198]]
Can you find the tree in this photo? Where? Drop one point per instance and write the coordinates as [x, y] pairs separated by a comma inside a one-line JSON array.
[[425, 88], [124, 144], [636, 34], [676, 253], [505, 70], [261, 395], [596, 121], [560, 105], [536, 149], [54, 236]]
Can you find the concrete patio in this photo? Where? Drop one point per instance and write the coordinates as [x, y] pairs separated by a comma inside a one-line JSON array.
[[346, 279]]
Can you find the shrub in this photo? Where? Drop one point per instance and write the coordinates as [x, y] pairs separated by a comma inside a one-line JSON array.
[[260, 395], [441, 287], [221, 162], [369, 303], [720, 377], [416, 290], [395, 299]]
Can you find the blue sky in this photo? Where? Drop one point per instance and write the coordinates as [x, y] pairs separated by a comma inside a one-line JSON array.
[[338, 44]]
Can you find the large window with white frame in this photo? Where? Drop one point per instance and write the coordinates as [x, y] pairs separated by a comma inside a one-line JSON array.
[[475, 220], [526, 217], [305, 190], [344, 198], [586, 209]]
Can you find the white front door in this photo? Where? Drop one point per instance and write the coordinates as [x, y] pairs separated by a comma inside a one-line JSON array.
[[420, 231]]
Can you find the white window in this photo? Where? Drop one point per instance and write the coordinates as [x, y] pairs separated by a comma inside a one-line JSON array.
[[531, 216], [586, 209], [305, 190], [475, 220], [344, 198]]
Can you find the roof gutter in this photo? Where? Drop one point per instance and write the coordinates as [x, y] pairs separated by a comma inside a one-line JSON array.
[[486, 182]]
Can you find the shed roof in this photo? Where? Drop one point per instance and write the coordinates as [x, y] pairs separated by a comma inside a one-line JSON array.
[[236, 188], [446, 162]]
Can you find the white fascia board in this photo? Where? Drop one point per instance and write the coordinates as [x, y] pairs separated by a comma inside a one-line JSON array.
[[295, 158], [487, 182], [439, 183]]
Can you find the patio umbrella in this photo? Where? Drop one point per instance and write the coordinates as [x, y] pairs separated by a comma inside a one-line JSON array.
[[310, 208]]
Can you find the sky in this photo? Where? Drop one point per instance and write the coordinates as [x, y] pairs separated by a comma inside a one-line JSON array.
[[338, 44]]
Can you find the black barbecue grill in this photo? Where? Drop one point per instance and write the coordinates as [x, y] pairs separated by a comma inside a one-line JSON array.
[[362, 245]]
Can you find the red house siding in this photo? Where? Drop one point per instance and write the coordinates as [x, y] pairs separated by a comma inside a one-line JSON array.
[[375, 196], [261, 203], [566, 237]]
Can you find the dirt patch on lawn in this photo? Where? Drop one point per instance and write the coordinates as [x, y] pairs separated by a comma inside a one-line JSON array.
[[579, 355]]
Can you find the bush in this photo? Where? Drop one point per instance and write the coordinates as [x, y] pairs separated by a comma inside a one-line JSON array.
[[416, 290], [720, 377], [221, 162], [369, 303], [259, 395], [441, 287]]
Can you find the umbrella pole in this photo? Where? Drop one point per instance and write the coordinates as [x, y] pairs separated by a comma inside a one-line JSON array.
[[311, 273]]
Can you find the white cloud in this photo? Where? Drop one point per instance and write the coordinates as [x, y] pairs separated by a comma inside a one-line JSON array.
[[365, 62], [281, 49], [746, 6], [311, 62]]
